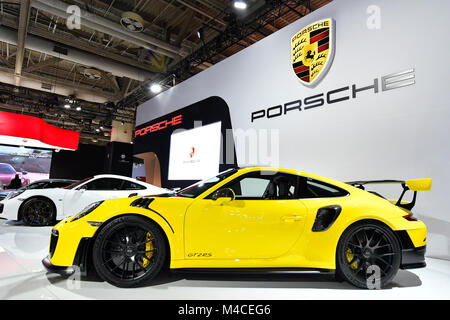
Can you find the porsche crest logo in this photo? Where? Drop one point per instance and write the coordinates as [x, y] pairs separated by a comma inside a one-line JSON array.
[[312, 50]]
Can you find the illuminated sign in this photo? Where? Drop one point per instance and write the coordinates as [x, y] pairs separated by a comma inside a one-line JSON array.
[[159, 126]]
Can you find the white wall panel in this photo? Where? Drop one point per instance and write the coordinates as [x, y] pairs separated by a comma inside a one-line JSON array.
[[397, 134]]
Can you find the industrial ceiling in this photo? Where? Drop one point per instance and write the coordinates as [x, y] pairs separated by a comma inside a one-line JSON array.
[[81, 74]]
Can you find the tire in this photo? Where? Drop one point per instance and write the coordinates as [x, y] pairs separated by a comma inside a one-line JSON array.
[[38, 212], [368, 255], [129, 251]]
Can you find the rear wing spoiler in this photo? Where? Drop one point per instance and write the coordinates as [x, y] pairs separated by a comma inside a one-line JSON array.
[[412, 184]]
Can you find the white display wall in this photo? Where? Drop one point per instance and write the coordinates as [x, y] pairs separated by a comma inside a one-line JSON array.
[[397, 134]]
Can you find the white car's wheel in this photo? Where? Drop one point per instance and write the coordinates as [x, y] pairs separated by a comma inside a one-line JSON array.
[[38, 211]]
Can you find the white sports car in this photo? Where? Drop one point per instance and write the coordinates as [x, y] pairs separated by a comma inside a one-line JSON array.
[[44, 207]]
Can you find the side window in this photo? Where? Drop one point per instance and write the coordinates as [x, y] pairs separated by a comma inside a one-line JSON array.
[[311, 188], [252, 187], [105, 184], [128, 185], [259, 186]]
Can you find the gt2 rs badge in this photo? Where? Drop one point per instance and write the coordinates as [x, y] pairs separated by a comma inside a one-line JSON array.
[[312, 50]]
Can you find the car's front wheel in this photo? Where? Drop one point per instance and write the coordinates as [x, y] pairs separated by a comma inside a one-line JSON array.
[[129, 251], [38, 212], [368, 255]]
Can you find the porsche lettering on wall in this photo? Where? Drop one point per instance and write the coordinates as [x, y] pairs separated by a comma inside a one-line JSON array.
[[312, 50], [388, 82]]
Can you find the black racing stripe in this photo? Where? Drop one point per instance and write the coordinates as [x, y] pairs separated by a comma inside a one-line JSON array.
[[316, 32]]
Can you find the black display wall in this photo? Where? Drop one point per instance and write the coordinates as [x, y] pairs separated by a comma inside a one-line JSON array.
[[119, 158], [87, 161], [210, 110]]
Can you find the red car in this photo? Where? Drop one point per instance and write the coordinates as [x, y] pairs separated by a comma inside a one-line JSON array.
[[7, 173]]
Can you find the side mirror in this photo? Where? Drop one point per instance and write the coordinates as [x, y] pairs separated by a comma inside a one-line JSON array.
[[223, 195], [24, 172]]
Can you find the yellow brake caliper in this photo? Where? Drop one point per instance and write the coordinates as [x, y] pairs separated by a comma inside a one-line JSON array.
[[350, 258], [148, 247]]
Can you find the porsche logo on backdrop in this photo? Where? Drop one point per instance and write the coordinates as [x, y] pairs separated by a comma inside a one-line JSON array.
[[312, 50]]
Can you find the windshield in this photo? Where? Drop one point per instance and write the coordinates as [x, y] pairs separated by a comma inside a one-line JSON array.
[[37, 185], [76, 184], [198, 188], [6, 169]]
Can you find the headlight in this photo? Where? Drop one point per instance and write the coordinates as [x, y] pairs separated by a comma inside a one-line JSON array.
[[87, 210], [14, 194]]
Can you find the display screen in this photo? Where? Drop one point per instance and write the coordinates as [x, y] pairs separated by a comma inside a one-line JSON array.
[[27, 164], [195, 153]]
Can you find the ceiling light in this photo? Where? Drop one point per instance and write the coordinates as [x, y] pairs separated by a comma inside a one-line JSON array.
[[200, 33], [67, 106], [97, 130], [155, 88], [131, 21], [78, 108], [240, 4]]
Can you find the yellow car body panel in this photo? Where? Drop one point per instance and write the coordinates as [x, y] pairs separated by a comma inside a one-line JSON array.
[[204, 233]]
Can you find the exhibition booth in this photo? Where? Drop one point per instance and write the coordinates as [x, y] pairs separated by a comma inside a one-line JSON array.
[[350, 92], [378, 110]]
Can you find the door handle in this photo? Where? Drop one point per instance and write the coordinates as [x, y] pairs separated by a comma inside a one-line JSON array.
[[132, 195], [292, 218]]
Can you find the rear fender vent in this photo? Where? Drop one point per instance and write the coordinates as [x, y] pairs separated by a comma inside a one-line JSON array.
[[325, 217]]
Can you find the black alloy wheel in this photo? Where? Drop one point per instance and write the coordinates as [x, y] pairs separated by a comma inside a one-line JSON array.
[[368, 255], [128, 251], [38, 212]]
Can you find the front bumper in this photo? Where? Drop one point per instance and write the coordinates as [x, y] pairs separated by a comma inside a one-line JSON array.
[[69, 243], [9, 209], [64, 271], [413, 258]]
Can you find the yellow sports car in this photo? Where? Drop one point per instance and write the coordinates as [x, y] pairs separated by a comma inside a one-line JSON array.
[[249, 218]]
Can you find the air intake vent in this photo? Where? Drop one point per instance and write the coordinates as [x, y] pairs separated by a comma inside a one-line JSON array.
[[46, 86], [325, 217], [60, 50], [142, 202]]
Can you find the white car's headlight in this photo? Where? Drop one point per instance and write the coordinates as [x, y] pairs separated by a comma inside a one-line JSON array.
[[87, 210], [14, 194]]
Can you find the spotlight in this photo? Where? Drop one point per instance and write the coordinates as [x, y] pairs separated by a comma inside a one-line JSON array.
[[156, 88], [200, 33], [240, 4]]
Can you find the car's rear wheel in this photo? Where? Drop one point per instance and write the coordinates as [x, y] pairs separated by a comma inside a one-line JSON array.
[[368, 255], [38, 212], [128, 251]]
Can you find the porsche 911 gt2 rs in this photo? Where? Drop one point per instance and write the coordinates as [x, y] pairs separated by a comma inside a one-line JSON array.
[[251, 218]]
